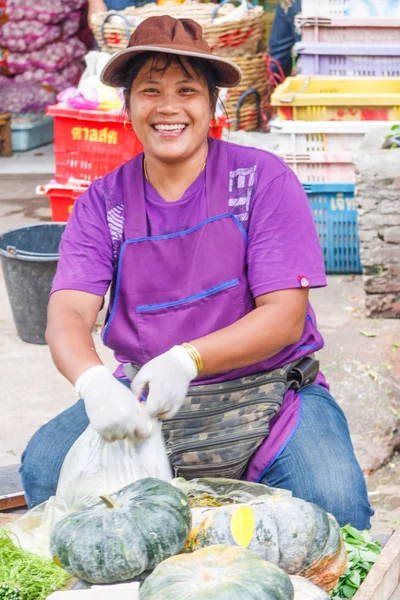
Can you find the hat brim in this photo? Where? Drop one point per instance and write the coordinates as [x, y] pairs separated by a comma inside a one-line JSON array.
[[229, 75]]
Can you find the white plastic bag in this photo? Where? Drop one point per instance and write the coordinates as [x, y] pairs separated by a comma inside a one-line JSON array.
[[95, 61], [91, 468], [106, 98]]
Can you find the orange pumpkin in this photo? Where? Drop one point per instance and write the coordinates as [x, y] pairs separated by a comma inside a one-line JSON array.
[[298, 536]]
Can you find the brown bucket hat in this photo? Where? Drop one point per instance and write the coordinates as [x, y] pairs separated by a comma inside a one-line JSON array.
[[174, 36]]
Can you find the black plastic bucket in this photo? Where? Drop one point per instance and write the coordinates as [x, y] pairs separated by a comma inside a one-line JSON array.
[[29, 257]]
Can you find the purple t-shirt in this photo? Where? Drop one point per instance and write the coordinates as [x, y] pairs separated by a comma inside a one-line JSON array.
[[265, 196]]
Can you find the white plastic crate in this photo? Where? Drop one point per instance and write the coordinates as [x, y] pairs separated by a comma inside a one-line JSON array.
[[351, 8], [303, 137], [321, 167], [348, 30]]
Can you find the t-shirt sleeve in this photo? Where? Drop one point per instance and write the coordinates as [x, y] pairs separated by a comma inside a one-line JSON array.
[[283, 246], [86, 254]]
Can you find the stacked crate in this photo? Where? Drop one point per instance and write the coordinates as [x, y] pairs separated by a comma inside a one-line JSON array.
[[352, 44], [349, 64]]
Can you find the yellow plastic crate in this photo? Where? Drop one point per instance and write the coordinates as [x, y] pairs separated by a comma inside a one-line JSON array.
[[338, 99]]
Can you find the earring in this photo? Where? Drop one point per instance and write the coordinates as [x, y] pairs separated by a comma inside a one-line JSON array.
[[126, 123]]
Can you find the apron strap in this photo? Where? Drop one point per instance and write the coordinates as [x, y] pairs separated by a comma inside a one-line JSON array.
[[217, 178], [135, 219]]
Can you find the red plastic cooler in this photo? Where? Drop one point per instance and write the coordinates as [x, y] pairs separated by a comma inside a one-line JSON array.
[[62, 198]]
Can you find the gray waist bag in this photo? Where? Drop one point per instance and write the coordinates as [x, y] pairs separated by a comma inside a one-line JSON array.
[[221, 425]]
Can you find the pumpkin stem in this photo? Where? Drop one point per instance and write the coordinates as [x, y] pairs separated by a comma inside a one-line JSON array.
[[108, 501]]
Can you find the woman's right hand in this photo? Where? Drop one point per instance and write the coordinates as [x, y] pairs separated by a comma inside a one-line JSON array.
[[113, 411]]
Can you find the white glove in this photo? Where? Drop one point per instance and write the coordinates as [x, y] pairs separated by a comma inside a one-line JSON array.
[[112, 409], [168, 377]]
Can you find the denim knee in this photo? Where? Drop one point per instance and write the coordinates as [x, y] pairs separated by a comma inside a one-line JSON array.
[[319, 465], [339, 489], [343, 493], [45, 453], [38, 482]]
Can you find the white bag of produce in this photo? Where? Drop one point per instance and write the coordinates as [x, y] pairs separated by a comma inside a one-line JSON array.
[[91, 88], [92, 467]]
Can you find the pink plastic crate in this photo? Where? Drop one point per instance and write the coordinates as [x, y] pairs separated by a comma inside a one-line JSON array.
[[351, 8], [322, 167], [348, 30], [357, 60]]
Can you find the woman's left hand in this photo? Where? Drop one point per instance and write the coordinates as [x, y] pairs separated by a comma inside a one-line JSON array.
[[168, 377]]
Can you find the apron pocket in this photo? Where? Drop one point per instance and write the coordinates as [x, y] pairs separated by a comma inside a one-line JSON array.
[[165, 324]]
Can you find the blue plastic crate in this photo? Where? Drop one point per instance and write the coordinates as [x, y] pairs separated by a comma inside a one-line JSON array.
[[335, 216], [31, 130]]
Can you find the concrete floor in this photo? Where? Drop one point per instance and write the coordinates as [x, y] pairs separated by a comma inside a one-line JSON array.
[[364, 372]]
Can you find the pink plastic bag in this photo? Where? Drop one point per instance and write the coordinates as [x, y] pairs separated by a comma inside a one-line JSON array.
[[23, 97], [22, 36], [58, 80], [45, 11], [71, 26], [72, 98], [74, 4], [50, 58]]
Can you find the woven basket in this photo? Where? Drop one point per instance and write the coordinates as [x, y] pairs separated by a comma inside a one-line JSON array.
[[249, 117], [230, 38]]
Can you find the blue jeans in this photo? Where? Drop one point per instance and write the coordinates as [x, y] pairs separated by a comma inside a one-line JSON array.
[[318, 463], [283, 37]]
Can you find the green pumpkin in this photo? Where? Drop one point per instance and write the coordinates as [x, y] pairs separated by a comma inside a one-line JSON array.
[[305, 590], [298, 536], [125, 534], [217, 573]]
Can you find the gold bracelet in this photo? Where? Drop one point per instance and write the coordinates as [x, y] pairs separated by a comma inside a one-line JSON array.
[[195, 354]]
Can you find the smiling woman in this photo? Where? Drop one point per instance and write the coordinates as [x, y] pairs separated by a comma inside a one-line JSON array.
[[209, 250]]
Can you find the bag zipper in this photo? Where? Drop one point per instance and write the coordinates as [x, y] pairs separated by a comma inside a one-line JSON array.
[[193, 391], [231, 464], [188, 414], [214, 466], [210, 413]]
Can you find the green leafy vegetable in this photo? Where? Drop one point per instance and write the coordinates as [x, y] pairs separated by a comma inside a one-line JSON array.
[[10, 591], [25, 575], [394, 130], [362, 554]]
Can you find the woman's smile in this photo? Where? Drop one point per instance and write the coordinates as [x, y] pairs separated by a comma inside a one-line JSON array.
[[170, 130]]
